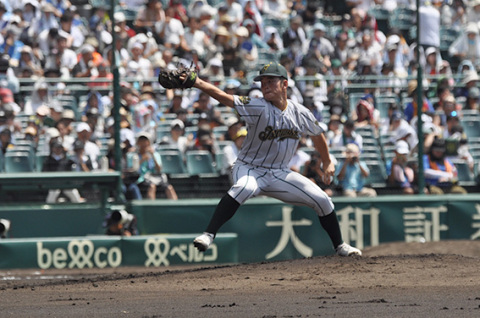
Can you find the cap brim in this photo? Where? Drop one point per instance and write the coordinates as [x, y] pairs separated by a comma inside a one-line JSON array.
[[259, 77]]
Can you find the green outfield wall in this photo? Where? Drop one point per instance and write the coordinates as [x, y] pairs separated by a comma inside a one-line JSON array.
[[264, 229], [271, 230]]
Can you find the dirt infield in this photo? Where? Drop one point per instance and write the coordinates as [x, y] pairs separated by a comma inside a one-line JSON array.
[[436, 279]]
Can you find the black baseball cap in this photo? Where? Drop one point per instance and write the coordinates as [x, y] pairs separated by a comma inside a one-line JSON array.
[[272, 69]]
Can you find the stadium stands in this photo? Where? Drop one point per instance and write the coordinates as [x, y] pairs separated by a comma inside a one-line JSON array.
[[203, 168]]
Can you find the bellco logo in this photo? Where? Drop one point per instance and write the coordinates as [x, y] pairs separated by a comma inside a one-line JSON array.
[[78, 254], [84, 254]]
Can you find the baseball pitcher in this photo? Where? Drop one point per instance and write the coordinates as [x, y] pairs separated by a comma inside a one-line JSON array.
[[274, 125]]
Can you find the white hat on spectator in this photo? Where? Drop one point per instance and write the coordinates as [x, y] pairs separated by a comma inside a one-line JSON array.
[[401, 147], [15, 19], [230, 121], [29, 130], [48, 7], [26, 49], [177, 122], [216, 62], [53, 132], [352, 149], [43, 110], [87, 48], [320, 27], [137, 45], [119, 17], [471, 28], [221, 30], [63, 35], [106, 37], [393, 39], [141, 37], [144, 134], [34, 3], [428, 128], [391, 46], [226, 18], [242, 31], [83, 127], [56, 106], [430, 50], [127, 134], [68, 114], [60, 86], [470, 76], [208, 10]]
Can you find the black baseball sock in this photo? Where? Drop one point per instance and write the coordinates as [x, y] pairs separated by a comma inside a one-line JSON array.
[[224, 211], [330, 224]]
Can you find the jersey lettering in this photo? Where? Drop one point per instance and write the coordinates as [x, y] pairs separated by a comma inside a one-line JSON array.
[[269, 134]]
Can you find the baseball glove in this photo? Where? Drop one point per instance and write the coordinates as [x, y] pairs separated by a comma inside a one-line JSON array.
[[173, 78]]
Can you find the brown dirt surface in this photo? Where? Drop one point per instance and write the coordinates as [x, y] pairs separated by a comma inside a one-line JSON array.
[[433, 279]]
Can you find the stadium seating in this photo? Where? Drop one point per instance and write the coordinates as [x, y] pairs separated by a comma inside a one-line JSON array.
[[18, 162], [24, 148], [402, 18], [365, 131], [161, 148], [388, 152], [474, 149], [39, 160], [172, 162], [382, 104], [470, 114], [466, 177], [200, 162], [353, 99], [221, 165], [162, 131], [378, 175], [471, 129]]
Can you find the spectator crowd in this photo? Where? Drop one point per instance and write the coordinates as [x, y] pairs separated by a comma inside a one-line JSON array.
[[50, 47]]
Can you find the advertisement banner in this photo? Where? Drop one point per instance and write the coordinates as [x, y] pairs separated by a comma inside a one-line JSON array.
[[108, 251]]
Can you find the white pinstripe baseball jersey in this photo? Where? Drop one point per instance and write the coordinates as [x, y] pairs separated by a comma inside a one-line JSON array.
[[273, 135]]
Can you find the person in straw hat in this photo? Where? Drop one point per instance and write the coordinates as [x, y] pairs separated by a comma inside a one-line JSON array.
[[411, 107]]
